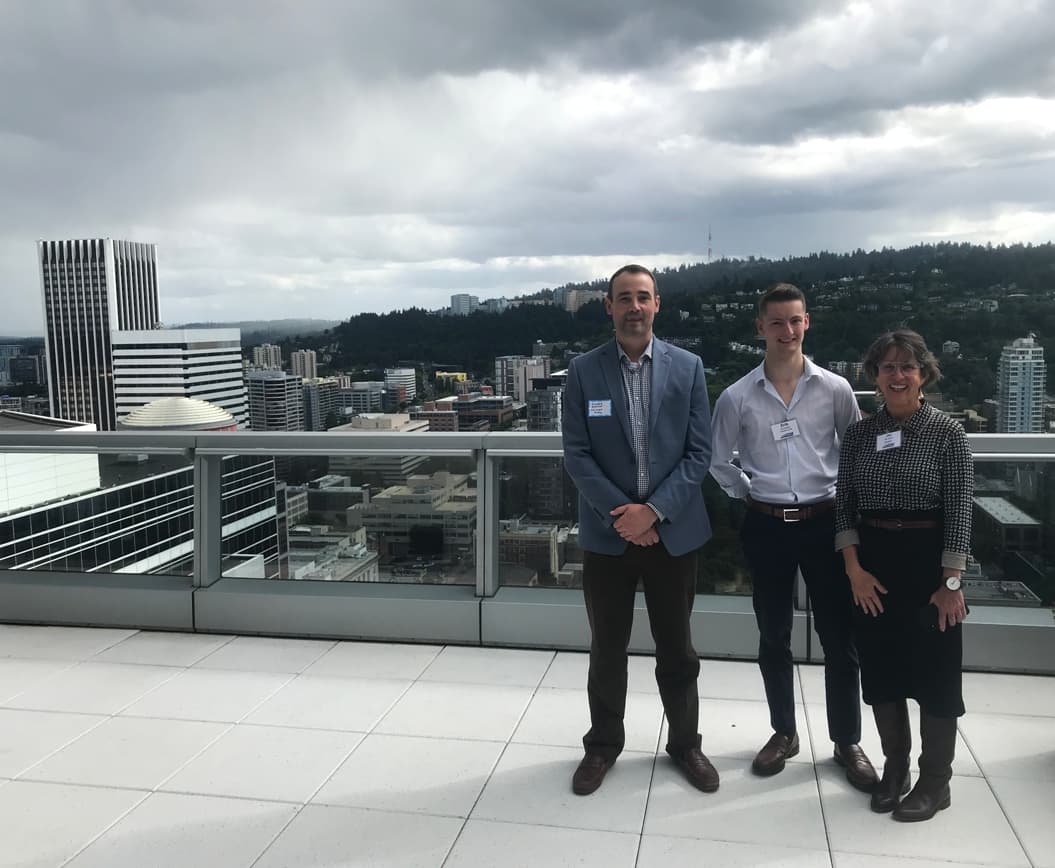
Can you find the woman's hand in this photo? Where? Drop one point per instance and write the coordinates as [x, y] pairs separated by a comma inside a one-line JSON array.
[[866, 590], [951, 607]]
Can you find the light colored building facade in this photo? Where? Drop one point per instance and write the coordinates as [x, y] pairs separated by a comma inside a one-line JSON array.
[[402, 378], [268, 357], [303, 364], [89, 289], [365, 396], [276, 401], [463, 304], [322, 399], [1021, 379], [508, 377], [205, 364]]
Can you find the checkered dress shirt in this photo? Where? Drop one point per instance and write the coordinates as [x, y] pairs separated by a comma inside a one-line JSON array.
[[637, 380]]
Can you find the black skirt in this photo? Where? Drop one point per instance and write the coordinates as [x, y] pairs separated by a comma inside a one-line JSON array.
[[903, 654]]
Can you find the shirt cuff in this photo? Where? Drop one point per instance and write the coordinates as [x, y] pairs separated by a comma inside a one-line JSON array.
[[659, 514], [846, 538], [954, 560]]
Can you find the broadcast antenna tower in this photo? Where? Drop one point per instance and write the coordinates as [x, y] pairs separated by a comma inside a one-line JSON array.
[[708, 243]]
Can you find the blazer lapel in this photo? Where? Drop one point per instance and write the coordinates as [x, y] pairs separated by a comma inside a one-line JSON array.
[[614, 378], [660, 372]]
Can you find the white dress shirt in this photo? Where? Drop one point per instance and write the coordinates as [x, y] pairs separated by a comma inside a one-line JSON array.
[[799, 468]]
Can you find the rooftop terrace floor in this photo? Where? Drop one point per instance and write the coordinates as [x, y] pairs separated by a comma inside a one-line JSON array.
[[124, 748]]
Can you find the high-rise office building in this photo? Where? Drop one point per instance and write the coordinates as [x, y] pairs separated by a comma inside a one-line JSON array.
[[268, 357], [405, 378], [90, 288], [8, 353], [205, 364], [1021, 378], [276, 401], [302, 363], [365, 396], [24, 370]]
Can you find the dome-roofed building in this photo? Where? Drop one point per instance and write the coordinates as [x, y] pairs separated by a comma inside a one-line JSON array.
[[179, 414]]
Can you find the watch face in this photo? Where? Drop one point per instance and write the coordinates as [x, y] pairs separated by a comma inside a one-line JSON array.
[[952, 583]]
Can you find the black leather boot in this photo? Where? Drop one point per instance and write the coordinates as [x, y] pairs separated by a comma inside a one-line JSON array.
[[931, 793], [896, 737]]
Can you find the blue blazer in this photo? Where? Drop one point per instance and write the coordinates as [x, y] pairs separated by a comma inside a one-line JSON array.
[[599, 452]]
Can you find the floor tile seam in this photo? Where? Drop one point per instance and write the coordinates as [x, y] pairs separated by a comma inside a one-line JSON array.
[[297, 810], [1007, 814], [289, 678], [312, 662], [970, 715], [817, 781], [74, 740], [46, 678], [191, 759], [931, 859], [554, 826], [783, 846], [102, 832]]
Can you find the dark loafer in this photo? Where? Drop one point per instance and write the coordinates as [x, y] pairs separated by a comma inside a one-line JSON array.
[[777, 751], [697, 769], [589, 774], [859, 771]]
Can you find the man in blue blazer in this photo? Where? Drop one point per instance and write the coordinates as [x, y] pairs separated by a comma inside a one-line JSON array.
[[637, 443]]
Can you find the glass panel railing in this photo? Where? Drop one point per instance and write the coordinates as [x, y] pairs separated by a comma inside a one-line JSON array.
[[129, 512], [401, 518], [538, 535], [1012, 543]]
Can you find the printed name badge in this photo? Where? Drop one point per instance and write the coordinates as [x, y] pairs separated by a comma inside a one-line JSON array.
[[890, 440], [599, 408], [785, 430]]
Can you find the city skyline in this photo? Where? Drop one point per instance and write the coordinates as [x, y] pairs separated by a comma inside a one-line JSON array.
[[321, 158]]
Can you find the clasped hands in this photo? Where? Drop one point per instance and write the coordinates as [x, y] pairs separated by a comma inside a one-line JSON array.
[[635, 522]]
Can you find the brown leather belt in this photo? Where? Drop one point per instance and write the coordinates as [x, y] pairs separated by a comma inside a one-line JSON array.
[[901, 523], [792, 513]]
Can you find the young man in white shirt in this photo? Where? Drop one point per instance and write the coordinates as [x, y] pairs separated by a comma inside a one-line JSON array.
[[786, 419]]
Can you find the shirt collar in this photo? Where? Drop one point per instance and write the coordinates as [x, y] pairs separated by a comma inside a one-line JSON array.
[[913, 423], [647, 354], [809, 370]]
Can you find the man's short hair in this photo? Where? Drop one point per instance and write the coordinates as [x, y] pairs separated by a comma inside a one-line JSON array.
[[633, 268], [780, 292]]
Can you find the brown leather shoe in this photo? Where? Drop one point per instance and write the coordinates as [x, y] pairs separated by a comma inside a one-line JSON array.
[[777, 751], [698, 769], [589, 774], [859, 771]]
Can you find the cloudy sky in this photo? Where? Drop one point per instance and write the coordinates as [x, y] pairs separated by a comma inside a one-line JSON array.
[[328, 158]]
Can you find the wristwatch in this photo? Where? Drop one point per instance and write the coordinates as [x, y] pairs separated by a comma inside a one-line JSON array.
[[953, 583]]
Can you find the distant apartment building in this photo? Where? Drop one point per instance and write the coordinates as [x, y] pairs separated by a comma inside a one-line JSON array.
[[439, 416], [428, 515], [8, 353], [322, 399], [268, 357], [1021, 379], [90, 288], [276, 401], [379, 470], [302, 364], [25, 370], [448, 381], [550, 491], [513, 374], [574, 299], [205, 364], [366, 396], [478, 412], [950, 348], [463, 304], [404, 379]]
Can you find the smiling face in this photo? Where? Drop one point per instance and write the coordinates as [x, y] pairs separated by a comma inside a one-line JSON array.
[[633, 307], [900, 381], [783, 324]]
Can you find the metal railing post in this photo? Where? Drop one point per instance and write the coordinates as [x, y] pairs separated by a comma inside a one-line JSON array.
[[208, 519]]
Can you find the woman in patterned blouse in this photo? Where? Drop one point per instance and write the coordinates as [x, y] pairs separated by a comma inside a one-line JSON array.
[[903, 524]]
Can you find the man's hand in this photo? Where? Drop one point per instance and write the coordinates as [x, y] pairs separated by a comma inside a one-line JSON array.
[[632, 520], [649, 538]]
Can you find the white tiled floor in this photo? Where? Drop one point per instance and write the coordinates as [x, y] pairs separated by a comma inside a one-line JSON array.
[[120, 748]]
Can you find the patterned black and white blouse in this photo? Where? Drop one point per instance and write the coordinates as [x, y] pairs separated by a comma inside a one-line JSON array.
[[931, 469]]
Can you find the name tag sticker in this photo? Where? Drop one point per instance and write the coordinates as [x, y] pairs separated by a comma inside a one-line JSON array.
[[785, 430], [890, 440], [599, 408]]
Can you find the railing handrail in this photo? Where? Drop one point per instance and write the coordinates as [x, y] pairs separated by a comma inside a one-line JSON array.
[[1004, 446]]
